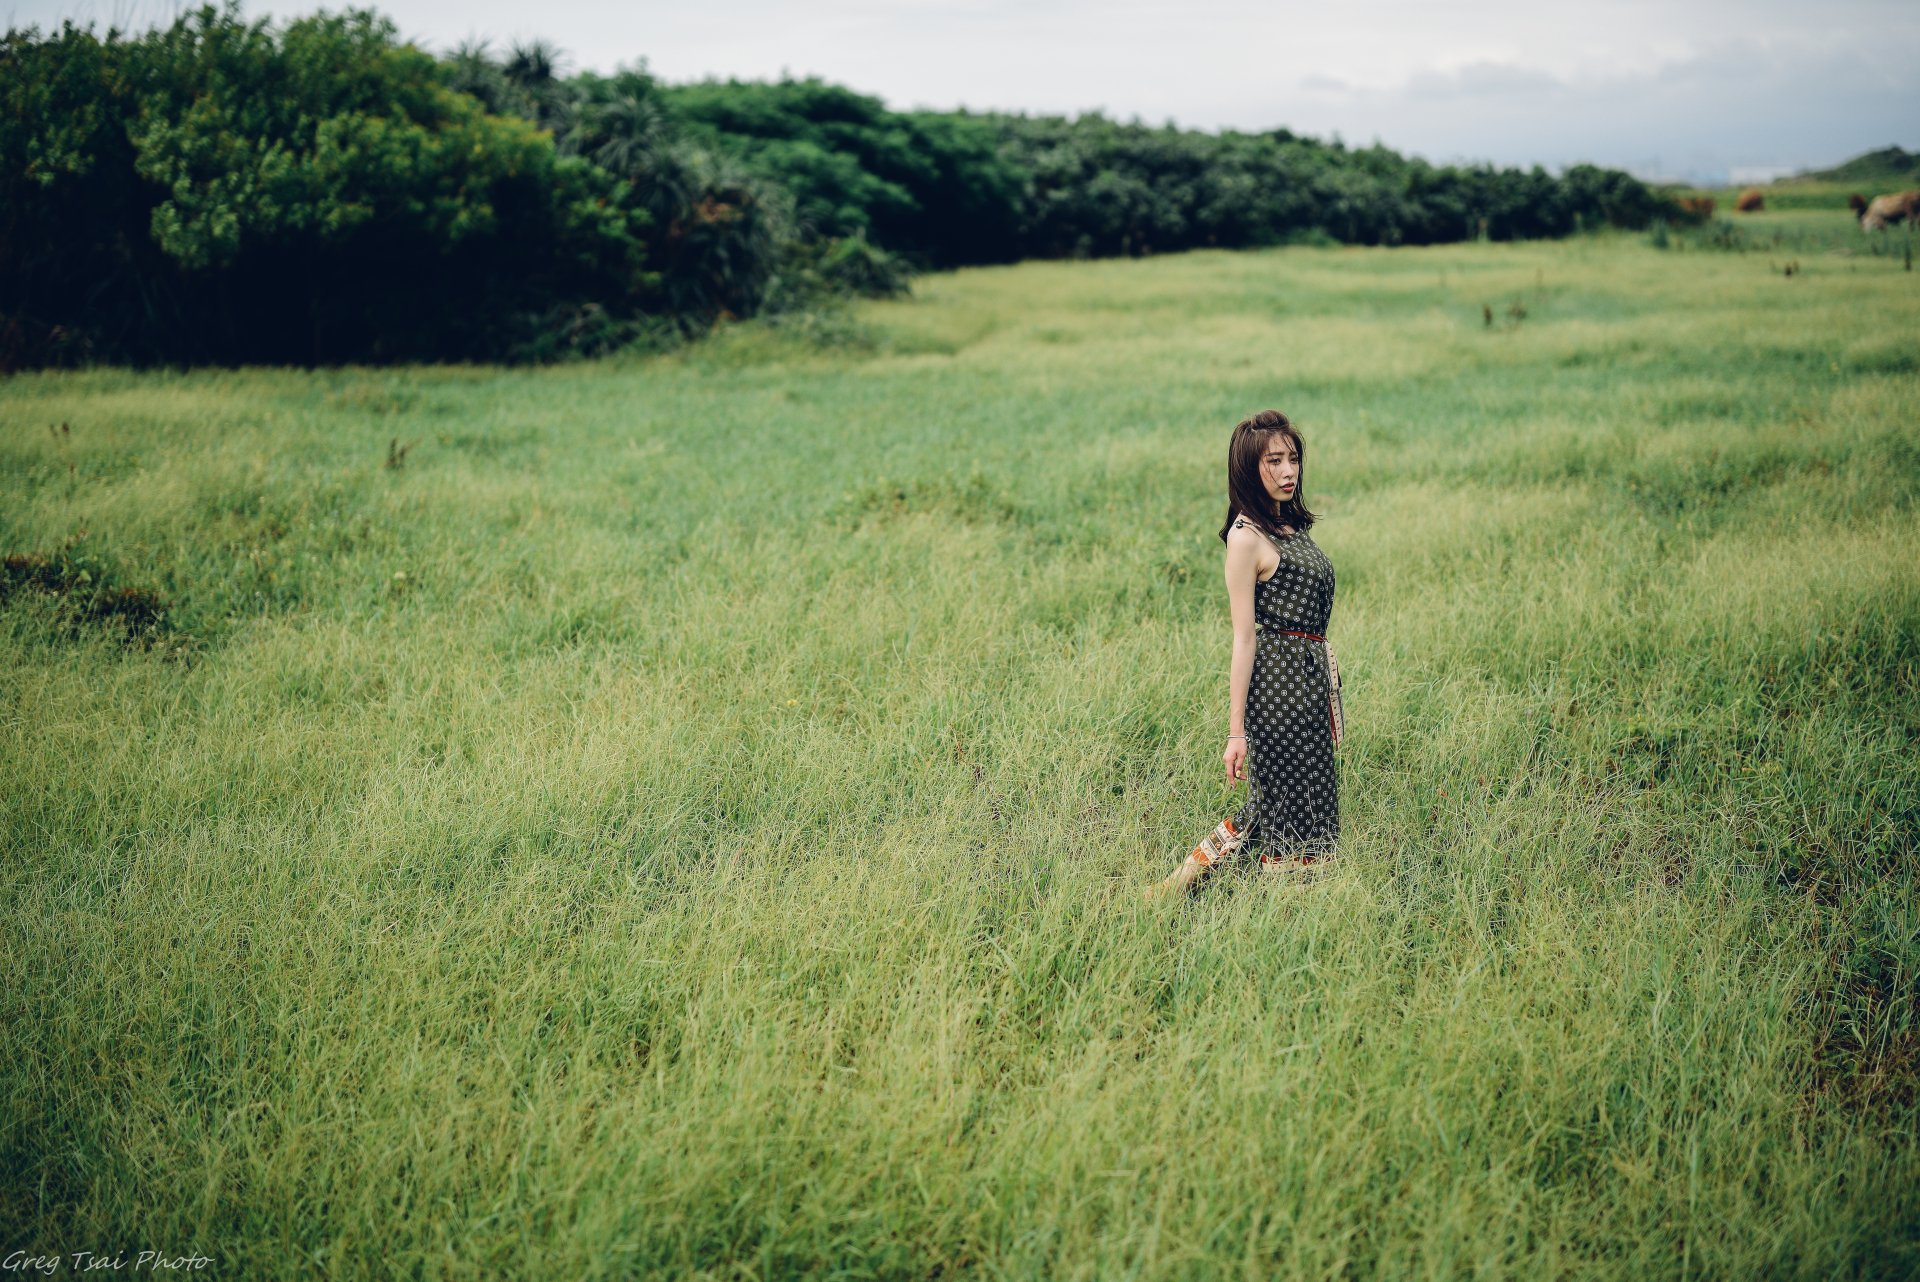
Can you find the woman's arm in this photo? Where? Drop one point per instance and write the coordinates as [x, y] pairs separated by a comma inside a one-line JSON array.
[[1242, 570]]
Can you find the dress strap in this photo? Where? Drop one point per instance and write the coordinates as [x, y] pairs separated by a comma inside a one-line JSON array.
[[1243, 521]]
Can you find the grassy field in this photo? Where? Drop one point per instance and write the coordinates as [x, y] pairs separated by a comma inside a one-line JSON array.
[[1799, 195], [689, 817]]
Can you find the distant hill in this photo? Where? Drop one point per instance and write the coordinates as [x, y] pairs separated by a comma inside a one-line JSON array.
[[1891, 166]]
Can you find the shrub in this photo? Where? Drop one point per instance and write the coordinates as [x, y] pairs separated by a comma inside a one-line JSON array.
[[315, 194]]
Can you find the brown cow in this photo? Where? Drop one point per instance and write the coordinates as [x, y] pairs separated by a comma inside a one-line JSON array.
[[1751, 201], [1696, 209], [1885, 211]]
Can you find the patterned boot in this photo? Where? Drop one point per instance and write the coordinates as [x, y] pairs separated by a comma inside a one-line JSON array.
[[1216, 848]]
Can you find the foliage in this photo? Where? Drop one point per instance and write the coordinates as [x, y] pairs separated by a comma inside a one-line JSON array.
[[223, 191], [962, 188], [219, 190], [77, 269], [858, 266], [1888, 166], [932, 185], [723, 230]]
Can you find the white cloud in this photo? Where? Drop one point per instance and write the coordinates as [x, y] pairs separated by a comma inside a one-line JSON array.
[[1482, 80]]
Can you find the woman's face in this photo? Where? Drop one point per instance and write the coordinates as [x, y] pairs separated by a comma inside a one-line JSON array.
[[1280, 468]]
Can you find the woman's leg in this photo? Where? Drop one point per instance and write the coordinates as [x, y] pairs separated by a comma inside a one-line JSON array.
[[1216, 848]]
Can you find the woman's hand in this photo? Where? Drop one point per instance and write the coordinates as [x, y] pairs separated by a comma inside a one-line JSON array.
[[1235, 758]]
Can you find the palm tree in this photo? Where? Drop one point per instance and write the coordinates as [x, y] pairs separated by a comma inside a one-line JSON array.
[[629, 133], [534, 64], [470, 69], [533, 69], [720, 247]]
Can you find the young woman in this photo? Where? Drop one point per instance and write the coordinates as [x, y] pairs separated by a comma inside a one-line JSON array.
[[1284, 710]]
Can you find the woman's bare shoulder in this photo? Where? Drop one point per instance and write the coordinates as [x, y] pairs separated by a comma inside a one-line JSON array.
[[1245, 527], [1244, 530], [1245, 541]]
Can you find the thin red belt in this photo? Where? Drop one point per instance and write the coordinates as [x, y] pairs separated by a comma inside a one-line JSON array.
[[1286, 632]]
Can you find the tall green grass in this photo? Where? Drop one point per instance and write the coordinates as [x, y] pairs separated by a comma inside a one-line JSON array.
[[689, 817]]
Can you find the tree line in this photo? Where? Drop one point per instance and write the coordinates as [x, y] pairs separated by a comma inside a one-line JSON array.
[[228, 191]]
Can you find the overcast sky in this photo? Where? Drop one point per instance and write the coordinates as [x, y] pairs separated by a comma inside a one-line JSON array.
[[1678, 88]]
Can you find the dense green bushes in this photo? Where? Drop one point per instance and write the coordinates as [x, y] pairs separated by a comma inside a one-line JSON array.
[[1885, 166], [220, 192], [238, 192], [962, 188], [940, 186]]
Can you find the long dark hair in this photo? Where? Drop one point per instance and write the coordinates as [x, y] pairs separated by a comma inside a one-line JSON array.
[[1246, 493]]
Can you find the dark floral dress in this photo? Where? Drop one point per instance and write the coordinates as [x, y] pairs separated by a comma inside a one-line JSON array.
[[1293, 793]]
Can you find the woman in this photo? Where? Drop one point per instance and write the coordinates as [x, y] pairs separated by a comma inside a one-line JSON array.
[[1284, 703]]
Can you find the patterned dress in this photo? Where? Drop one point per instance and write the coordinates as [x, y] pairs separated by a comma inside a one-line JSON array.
[[1293, 795]]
